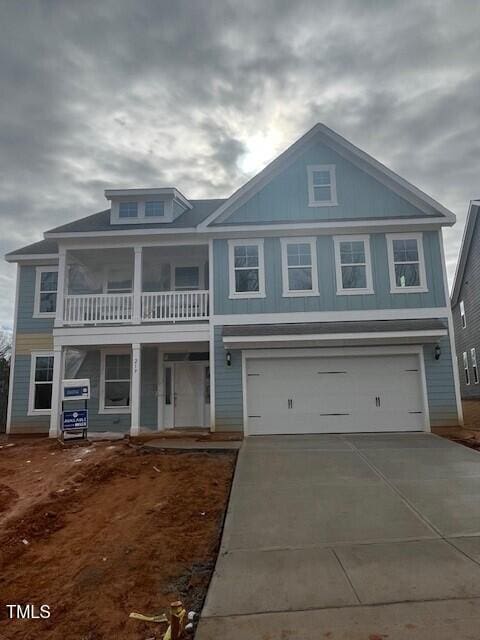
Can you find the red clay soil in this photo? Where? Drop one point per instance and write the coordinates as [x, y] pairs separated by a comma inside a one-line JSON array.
[[110, 530]]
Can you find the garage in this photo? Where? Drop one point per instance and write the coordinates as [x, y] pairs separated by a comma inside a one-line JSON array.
[[325, 394]]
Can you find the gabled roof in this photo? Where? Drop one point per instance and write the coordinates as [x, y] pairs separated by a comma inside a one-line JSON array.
[[465, 248], [100, 221], [350, 152], [44, 250]]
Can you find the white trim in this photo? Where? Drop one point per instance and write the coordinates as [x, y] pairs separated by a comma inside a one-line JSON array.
[[58, 375], [473, 357], [330, 316], [31, 391], [36, 303], [211, 345], [463, 317], [135, 388], [451, 333], [160, 391], [126, 334], [346, 149], [11, 377], [286, 292], [261, 268], [26, 257], [341, 290], [311, 168], [101, 400], [466, 369], [422, 287], [370, 351], [137, 285]]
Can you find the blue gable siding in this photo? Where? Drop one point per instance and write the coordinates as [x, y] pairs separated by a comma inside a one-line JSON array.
[[328, 300], [285, 197], [26, 323]]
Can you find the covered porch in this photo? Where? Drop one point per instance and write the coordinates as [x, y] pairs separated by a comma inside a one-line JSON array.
[[137, 387]]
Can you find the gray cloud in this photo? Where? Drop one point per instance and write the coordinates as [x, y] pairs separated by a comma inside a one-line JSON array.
[[115, 93]]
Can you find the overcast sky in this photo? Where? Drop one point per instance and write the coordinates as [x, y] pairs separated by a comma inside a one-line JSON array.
[[201, 94]]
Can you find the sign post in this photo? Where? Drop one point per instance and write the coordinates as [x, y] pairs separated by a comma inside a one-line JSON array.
[[75, 422]]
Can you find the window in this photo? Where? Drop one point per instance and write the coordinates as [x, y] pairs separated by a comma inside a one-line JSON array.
[[128, 210], [115, 383], [41, 383], [299, 266], [465, 366], [154, 209], [168, 385], [322, 188], [46, 291], [462, 314], [473, 353], [406, 263], [186, 278], [246, 266], [353, 265]]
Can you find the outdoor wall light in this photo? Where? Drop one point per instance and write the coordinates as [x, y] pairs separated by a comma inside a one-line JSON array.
[[228, 359], [437, 351]]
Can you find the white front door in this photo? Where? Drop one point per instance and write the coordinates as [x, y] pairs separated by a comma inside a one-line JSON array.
[[189, 395]]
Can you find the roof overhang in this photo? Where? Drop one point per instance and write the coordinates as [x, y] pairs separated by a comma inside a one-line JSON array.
[[30, 257], [473, 210]]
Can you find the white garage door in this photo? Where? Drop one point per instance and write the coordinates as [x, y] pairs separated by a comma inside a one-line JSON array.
[[334, 394]]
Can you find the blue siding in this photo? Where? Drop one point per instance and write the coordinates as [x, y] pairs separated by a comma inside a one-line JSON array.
[[26, 323], [148, 397], [440, 385], [228, 388], [359, 195], [20, 420], [274, 302]]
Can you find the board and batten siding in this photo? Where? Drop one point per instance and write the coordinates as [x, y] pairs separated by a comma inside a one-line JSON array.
[[440, 384], [26, 323], [228, 387], [359, 195], [328, 300]]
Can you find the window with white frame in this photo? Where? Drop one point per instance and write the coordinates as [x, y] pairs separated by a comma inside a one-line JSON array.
[[465, 367], [246, 268], [299, 266], [128, 210], [46, 291], [353, 265], [473, 354], [115, 383], [406, 263], [462, 314], [154, 208], [322, 188], [41, 383]]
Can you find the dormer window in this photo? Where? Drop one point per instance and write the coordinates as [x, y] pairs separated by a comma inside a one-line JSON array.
[[128, 210], [154, 209], [322, 187]]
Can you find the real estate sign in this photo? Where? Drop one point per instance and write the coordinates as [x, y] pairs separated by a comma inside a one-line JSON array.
[[75, 420]]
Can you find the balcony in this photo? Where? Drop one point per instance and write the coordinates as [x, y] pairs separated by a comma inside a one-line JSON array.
[[155, 284], [162, 306]]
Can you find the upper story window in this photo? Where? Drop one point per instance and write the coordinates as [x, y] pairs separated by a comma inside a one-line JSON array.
[[246, 269], [41, 383], [406, 263], [473, 353], [154, 209], [322, 187], [462, 314], [299, 266], [128, 210], [353, 265], [45, 304]]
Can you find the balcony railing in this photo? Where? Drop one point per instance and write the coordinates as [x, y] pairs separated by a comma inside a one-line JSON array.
[[173, 306], [117, 308]]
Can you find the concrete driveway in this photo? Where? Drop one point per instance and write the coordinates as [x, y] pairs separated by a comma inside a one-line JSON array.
[[349, 537]]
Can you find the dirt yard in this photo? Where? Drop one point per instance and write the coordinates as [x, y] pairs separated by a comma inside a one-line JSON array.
[[99, 531]]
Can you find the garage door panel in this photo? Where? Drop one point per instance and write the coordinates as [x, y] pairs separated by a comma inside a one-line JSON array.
[[334, 394]]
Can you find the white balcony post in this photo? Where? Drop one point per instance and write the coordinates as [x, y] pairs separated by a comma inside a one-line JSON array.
[[136, 386], [55, 415], [137, 287], [61, 284]]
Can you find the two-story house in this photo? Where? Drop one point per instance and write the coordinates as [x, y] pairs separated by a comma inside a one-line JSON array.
[[466, 306], [312, 300]]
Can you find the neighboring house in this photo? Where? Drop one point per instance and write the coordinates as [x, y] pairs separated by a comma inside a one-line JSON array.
[[466, 306], [314, 299]]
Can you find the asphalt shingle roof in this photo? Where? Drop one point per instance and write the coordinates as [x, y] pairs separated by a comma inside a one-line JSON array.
[[43, 247]]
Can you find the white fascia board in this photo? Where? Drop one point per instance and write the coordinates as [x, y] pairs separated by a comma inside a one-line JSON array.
[[29, 257], [352, 153], [113, 233], [331, 316]]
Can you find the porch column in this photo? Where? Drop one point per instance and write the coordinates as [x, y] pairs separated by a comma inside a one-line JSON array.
[[61, 284], [137, 287], [136, 385], [55, 415]]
